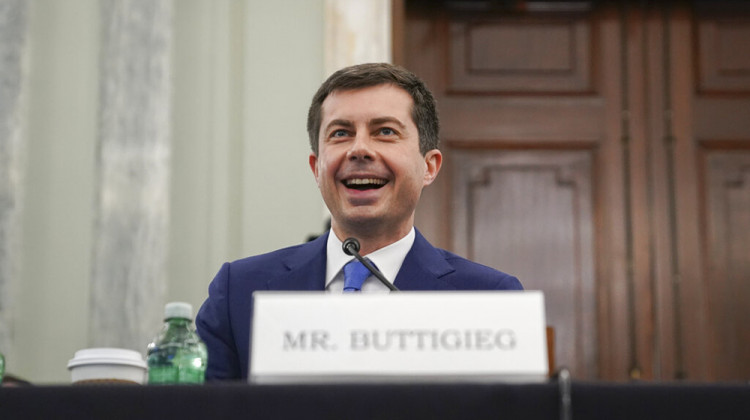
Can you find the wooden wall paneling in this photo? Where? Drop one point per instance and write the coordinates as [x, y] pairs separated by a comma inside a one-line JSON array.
[[529, 213], [638, 211], [723, 76], [527, 120], [535, 124], [565, 121], [727, 282], [691, 357], [721, 116], [663, 104], [423, 39], [532, 53], [609, 202], [657, 114], [723, 59]]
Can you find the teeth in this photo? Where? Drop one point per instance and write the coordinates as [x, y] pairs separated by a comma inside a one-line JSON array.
[[365, 181]]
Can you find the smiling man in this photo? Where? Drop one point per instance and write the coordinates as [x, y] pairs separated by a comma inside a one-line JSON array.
[[373, 130], [369, 166]]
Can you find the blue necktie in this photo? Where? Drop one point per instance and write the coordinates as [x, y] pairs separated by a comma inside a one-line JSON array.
[[355, 274]]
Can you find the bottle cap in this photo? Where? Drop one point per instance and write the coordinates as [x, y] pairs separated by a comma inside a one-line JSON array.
[[178, 310]]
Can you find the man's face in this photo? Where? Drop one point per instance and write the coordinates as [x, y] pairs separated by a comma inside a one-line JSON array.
[[369, 168]]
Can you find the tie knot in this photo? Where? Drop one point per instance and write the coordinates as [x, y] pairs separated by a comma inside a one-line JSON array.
[[355, 274]]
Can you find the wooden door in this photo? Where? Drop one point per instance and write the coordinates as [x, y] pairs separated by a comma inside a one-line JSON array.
[[581, 154], [712, 108]]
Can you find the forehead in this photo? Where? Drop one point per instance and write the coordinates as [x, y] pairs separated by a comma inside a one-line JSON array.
[[367, 103]]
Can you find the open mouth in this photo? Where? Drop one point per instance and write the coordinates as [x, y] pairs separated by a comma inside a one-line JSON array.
[[362, 184]]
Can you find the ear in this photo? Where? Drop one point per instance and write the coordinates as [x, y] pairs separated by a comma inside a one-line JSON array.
[[313, 160], [433, 159]]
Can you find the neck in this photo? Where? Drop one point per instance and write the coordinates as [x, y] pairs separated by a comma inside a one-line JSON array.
[[371, 241]]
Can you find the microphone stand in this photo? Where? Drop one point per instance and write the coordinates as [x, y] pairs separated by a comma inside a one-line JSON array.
[[351, 247]]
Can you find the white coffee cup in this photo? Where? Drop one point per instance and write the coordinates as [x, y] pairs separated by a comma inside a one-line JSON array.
[[107, 365]]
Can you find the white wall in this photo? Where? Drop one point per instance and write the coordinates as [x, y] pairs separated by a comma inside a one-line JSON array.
[[51, 308], [283, 69], [244, 73]]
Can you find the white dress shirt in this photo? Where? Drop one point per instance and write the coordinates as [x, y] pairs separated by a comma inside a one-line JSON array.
[[387, 259]]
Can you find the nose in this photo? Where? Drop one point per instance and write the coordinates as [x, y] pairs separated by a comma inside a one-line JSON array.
[[361, 148]]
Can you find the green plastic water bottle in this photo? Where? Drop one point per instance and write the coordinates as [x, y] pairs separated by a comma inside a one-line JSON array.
[[2, 367], [177, 355]]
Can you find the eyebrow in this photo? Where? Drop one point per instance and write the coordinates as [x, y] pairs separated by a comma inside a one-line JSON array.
[[340, 123], [384, 120], [372, 122]]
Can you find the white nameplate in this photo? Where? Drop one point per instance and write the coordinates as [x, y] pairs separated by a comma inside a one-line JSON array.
[[319, 336]]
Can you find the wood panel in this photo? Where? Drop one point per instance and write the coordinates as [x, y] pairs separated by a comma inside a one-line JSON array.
[[639, 112], [523, 137], [727, 283], [722, 53], [522, 55], [716, 147], [513, 204], [722, 83], [519, 119]]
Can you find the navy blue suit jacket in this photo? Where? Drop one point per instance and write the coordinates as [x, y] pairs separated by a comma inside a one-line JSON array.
[[223, 321]]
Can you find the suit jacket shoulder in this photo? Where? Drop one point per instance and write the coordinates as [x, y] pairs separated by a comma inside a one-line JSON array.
[[299, 267], [430, 268], [223, 321]]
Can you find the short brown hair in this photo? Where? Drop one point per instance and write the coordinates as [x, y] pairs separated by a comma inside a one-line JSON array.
[[424, 110]]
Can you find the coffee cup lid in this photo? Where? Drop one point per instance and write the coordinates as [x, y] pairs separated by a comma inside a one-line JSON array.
[[107, 356]]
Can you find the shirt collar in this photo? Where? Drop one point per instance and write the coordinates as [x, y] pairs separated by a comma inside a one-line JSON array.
[[388, 259]]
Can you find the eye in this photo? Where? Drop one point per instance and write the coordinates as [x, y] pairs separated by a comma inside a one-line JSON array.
[[339, 133], [387, 131]]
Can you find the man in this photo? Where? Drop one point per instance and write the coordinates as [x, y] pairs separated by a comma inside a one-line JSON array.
[[373, 131]]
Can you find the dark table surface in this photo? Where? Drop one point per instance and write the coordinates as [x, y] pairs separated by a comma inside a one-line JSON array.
[[378, 401]]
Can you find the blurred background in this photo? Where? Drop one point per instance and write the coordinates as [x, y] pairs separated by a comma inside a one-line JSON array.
[[600, 151]]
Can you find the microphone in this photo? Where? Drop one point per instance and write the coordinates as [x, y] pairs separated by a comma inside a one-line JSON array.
[[351, 247]]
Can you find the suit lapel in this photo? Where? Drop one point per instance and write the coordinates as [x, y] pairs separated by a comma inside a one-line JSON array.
[[423, 268], [305, 268]]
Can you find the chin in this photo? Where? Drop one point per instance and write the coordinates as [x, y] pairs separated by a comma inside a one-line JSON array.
[[362, 221]]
